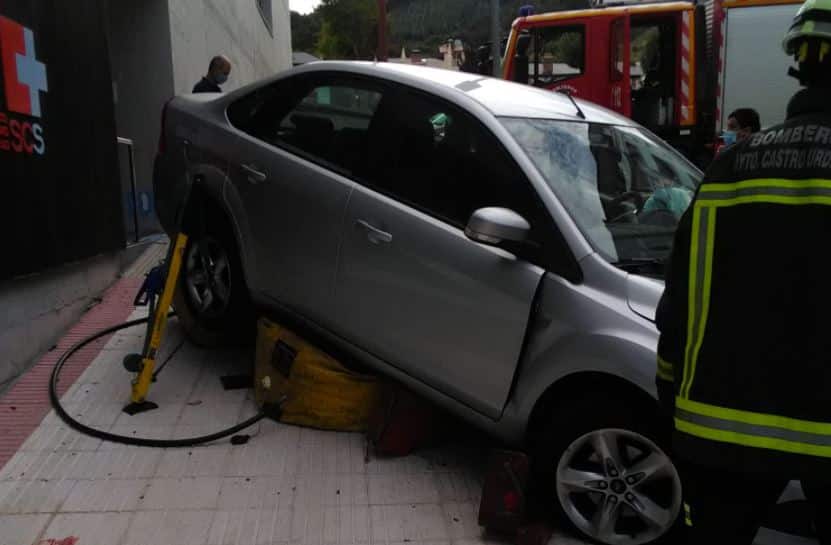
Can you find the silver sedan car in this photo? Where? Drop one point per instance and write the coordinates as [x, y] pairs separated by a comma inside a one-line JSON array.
[[496, 248]]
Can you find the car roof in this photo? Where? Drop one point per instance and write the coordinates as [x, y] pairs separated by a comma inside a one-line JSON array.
[[502, 98]]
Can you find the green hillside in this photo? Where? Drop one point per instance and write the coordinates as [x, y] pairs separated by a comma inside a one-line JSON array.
[[417, 24], [427, 23]]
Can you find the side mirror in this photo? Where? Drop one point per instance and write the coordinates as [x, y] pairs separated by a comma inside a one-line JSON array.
[[495, 225]]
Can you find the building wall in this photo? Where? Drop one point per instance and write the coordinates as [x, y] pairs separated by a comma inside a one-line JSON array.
[[160, 48], [110, 68], [201, 29], [40, 307], [58, 162], [62, 219], [142, 71]]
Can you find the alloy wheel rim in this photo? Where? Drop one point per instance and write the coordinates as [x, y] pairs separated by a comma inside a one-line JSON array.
[[208, 278], [618, 487]]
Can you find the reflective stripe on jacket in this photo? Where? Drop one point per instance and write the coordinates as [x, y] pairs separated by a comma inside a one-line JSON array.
[[746, 316]]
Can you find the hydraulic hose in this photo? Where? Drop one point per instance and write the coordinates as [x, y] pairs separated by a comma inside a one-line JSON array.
[[129, 440]]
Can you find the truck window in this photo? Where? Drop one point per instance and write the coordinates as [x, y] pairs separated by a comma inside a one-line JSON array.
[[653, 72], [557, 53]]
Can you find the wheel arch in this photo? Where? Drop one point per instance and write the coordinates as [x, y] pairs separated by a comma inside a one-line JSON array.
[[570, 387], [210, 197]]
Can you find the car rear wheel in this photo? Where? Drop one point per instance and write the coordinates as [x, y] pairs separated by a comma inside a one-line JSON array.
[[211, 299], [603, 472]]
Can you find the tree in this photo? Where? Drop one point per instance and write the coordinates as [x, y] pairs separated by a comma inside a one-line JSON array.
[[304, 31], [351, 32], [349, 29], [566, 47]]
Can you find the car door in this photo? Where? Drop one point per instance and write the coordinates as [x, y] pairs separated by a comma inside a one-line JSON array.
[[411, 287], [298, 143]]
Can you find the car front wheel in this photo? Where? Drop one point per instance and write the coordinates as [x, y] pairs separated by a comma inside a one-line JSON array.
[[604, 473]]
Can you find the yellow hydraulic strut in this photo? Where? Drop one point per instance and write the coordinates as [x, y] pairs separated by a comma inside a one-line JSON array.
[[167, 275], [141, 384]]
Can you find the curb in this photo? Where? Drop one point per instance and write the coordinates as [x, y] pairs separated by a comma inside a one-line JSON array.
[[26, 404]]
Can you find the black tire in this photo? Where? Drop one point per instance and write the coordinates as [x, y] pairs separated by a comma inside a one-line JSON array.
[[227, 322], [566, 424]]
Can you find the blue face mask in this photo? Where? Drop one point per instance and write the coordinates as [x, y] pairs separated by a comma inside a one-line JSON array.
[[729, 137], [221, 78]]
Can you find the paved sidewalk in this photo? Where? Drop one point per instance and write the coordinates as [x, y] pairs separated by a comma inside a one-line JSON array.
[[287, 485]]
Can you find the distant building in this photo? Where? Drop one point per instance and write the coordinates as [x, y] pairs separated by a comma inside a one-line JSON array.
[[416, 57], [448, 60], [454, 54]]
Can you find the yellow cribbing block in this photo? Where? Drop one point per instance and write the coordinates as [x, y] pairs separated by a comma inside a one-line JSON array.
[[319, 391]]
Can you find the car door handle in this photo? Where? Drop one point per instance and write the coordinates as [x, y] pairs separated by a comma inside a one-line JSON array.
[[375, 235], [255, 176]]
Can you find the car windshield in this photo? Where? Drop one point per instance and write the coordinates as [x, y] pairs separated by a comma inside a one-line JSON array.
[[625, 189]]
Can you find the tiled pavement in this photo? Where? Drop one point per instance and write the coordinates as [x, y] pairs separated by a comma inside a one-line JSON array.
[[287, 485]]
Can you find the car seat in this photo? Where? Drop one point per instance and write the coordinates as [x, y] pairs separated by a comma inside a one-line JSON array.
[[313, 134]]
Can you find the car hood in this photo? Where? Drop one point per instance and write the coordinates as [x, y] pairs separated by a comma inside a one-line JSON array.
[[643, 294]]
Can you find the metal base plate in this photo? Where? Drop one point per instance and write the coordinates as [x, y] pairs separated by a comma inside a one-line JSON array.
[[135, 408]]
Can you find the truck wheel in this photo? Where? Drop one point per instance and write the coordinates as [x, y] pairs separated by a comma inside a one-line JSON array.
[[211, 299], [600, 469]]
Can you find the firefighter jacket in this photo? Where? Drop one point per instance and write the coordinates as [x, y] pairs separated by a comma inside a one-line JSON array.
[[745, 320]]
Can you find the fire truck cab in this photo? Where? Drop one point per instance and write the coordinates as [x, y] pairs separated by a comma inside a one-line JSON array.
[[635, 59], [661, 64]]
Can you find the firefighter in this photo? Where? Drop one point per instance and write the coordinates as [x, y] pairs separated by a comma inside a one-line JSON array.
[[745, 346]]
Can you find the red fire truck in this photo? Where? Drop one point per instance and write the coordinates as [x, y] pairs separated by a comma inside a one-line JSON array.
[[677, 68]]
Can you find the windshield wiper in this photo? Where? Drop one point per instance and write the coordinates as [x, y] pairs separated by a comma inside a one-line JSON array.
[[641, 264]]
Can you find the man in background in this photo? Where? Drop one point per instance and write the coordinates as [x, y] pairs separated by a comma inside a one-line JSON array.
[[740, 125], [218, 72]]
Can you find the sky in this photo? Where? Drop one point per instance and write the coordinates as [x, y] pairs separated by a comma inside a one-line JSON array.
[[303, 6]]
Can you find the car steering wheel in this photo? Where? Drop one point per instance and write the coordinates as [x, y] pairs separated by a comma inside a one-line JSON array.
[[630, 196]]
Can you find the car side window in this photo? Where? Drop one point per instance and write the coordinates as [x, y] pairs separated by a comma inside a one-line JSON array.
[[435, 157], [431, 155], [325, 120]]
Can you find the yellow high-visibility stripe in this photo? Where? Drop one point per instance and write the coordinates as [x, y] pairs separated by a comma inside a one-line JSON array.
[[663, 375], [782, 183], [748, 440], [771, 199], [752, 418], [722, 424], [812, 191], [691, 292], [665, 370], [705, 299]]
